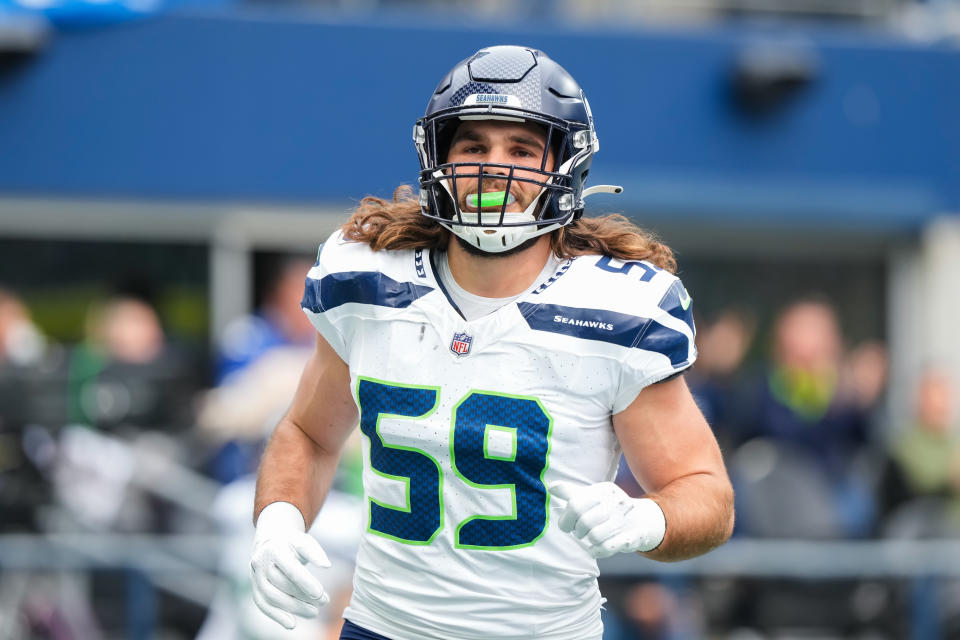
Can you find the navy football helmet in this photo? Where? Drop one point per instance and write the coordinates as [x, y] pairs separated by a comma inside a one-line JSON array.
[[514, 84]]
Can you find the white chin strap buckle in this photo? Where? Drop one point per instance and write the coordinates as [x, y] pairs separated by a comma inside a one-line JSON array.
[[602, 188]]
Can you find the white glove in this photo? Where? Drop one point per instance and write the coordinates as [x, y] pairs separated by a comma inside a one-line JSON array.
[[608, 521], [282, 585]]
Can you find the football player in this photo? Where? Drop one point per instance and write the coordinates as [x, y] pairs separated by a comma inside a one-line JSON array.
[[499, 352]]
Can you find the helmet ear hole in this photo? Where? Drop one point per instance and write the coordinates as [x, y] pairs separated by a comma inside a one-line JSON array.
[[445, 131]]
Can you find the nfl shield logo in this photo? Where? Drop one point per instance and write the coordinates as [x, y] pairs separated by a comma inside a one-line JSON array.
[[461, 344]]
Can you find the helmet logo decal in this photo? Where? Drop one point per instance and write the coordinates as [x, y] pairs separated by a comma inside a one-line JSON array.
[[460, 345], [481, 98], [501, 99]]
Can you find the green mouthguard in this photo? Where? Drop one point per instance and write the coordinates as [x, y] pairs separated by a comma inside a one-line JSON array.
[[489, 199]]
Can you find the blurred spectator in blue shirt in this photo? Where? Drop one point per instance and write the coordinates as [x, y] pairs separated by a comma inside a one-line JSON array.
[[278, 322], [260, 360], [716, 379]]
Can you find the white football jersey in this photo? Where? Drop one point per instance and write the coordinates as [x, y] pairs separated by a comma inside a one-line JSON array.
[[466, 424]]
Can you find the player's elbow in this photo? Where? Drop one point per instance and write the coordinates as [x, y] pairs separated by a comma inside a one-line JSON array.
[[721, 514], [720, 511], [728, 513]]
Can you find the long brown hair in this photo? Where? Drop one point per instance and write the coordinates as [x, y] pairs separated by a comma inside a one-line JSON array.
[[398, 224]]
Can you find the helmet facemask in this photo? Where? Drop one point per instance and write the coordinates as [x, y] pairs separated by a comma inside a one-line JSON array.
[[519, 85], [488, 226]]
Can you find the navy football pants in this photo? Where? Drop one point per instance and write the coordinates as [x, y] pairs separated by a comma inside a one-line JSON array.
[[353, 632]]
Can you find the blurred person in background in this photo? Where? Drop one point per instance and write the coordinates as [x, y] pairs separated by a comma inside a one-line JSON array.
[[865, 375], [277, 322], [260, 356], [129, 400], [921, 487], [22, 350], [127, 375], [26, 362], [26, 359], [716, 383], [654, 611], [234, 418], [580, 337], [806, 436], [21, 343]]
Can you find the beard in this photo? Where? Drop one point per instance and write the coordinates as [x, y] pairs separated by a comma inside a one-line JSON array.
[[475, 251]]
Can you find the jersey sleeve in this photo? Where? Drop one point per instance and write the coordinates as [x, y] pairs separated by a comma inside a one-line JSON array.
[[663, 347], [315, 294]]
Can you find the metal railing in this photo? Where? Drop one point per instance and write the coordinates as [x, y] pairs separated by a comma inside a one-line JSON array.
[[804, 559], [189, 566]]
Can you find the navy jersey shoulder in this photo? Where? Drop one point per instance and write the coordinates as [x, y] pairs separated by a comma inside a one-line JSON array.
[[350, 272], [631, 304]]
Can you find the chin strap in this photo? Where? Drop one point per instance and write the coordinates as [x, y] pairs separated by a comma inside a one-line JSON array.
[[602, 188]]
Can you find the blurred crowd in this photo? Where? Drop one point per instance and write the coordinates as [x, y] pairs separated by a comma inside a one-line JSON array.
[[125, 432], [129, 431], [814, 454], [811, 446]]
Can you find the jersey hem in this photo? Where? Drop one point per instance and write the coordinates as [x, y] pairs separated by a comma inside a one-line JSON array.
[[372, 623]]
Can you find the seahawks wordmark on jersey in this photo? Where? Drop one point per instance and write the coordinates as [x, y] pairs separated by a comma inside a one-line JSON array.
[[467, 423]]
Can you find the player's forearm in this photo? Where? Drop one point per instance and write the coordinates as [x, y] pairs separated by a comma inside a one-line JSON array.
[[294, 469], [699, 512]]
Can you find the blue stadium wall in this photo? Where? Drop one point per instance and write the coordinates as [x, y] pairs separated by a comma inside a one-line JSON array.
[[224, 107]]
